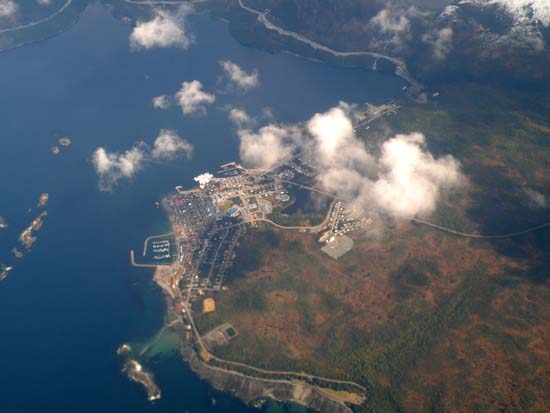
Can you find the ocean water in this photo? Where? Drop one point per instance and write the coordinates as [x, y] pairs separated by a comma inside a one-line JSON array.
[[72, 300]]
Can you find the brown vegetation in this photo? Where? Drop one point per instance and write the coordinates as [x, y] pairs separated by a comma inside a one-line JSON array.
[[429, 321]]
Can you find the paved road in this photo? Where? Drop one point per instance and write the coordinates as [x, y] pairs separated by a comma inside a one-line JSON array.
[[401, 67], [309, 188], [213, 263], [153, 2], [450, 230], [36, 23], [300, 375], [158, 336], [311, 228], [482, 236], [237, 373]]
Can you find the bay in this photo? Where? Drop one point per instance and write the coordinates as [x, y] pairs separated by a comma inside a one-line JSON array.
[[72, 300]]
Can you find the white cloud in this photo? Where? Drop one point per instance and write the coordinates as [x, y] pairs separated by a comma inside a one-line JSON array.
[[239, 77], [192, 98], [335, 142], [404, 179], [268, 146], [389, 20], [267, 113], [410, 179], [535, 198], [391, 26], [161, 102], [240, 118], [441, 41], [7, 8], [111, 167], [164, 30], [44, 2], [169, 145], [203, 179]]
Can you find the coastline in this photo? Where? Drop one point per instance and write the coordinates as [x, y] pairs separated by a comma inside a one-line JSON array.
[[247, 388], [246, 382], [206, 223]]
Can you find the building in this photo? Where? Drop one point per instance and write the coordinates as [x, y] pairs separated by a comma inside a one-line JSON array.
[[233, 212]]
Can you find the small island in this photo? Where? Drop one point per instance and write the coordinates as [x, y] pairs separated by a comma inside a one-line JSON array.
[[43, 200], [4, 271], [64, 141], [28, 236], [124, 350], [137, 373], [16, 253]]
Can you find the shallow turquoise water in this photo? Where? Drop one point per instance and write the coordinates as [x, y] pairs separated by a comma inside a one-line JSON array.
[[74, 298]]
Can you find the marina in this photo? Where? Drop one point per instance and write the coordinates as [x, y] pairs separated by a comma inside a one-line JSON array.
[[161, 250]]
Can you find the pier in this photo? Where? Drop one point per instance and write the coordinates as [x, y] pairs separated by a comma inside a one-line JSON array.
[[135, 264]]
